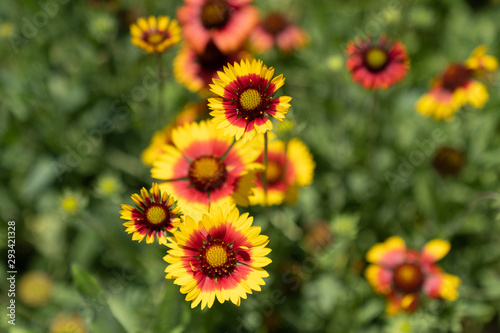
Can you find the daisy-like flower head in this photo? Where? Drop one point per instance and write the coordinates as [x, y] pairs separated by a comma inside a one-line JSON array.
[[403, 274], [155, 35], [191, 112], [276, 29], [196, 70], [220, 256], [153, 215], [377, 65], [203, 167], [227, 22], [457, 87], [289, 166], [247, 100]]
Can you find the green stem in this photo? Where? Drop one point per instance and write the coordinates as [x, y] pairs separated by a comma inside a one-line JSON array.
[[227, 151], [161, 81], [264, 175], [371, 128]]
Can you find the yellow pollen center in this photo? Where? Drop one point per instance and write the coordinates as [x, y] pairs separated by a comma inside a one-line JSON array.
[[250, 99], [376, 58], [407, 274], [155, 38], [70, 204], [206, 169], [216, 256], [273, 173], [156, 214]]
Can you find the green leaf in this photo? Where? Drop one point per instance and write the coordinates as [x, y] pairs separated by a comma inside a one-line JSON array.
[[96, 302], [85, 283]]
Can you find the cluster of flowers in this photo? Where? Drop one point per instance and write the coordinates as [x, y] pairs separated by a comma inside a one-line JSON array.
[[398, 273], [381, 64], [216, 32], [402, 274], [210, 166]]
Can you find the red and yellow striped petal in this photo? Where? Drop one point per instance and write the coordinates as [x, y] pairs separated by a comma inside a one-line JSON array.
[[389, 253]]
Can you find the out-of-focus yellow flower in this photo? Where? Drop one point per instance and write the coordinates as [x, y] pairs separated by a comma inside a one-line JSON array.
[[335, 62], [35, 288], [155, 35], [64, 323], [108, 186], [72, 202], [458, 86], [7, 30]]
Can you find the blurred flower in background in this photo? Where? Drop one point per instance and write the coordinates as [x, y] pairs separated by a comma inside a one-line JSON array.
[[35, 288], [7, 30], [448, 161], [108, 186], [290, 166], [72, 202], [318, 236], [335, 62], [227, 23], [197, 70], [222, 256], [155, 35], [346, 226], [402, 274], [102, 25], [458, 86], [277, 29], [153, 215], [64, 323], [378, 64]]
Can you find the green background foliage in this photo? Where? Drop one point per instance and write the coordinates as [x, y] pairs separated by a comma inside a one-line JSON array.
[[75, 114]]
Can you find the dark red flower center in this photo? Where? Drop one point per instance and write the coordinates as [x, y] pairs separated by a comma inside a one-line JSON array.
[[207, 173], [217, 258], [408, 278], [156, 215], [212, 59], [251, 104], [275, 172], [448, 161], [215, 14], [455, 76], [154, 37], [376, 59], [274, 23]]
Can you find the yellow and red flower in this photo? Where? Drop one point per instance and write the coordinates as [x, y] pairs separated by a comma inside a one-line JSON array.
[[196, 70], [220, 256], [458, 86], [155, 35], [289, 166], [276, 29], [227, 22], [203, 168], [152, 217], [377, 65], [191, 112], [402, 274], [247, 100]]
